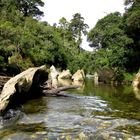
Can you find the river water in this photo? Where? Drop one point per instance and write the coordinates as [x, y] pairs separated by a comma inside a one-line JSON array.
[[92, 112]]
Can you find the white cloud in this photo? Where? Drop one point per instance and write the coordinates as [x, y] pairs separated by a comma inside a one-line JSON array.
[[91, 10]]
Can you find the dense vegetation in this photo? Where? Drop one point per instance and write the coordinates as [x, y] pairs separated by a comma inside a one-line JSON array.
[[26, 41], [117, 39]]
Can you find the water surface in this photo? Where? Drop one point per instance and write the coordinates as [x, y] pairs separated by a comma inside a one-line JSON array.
[[93, 112]]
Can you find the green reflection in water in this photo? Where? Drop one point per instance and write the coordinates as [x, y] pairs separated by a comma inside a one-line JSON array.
[[120, 99]]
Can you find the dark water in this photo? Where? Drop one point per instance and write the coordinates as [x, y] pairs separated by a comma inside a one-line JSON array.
[[90, 113]]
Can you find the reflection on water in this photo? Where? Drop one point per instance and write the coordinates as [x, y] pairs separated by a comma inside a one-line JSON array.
[[67, 82], [95, 112], [64, 82]]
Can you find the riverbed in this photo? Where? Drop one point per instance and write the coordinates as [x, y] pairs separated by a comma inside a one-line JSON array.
[[92, 112]]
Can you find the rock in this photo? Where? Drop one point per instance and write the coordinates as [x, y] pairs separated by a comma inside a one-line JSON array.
[[136, 85], [106, 75], [136, 81], [78, 76], [65, 74], [3, 80], [96, 78], [82, 136], [53, 72], [53, 75], [19, 87]]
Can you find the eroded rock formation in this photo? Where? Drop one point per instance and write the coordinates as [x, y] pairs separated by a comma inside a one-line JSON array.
[[22, 86]]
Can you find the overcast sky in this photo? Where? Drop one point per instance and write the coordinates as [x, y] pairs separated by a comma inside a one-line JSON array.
[[91, 10]]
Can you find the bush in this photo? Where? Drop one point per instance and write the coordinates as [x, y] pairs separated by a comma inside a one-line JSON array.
[[22, 63], [128, 77]]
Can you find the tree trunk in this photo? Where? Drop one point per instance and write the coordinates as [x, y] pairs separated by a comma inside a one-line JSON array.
[[57, 91]]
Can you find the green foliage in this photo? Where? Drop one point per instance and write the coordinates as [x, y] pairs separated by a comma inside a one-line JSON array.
[[132, 29], [81, 61], [25, 41], [25, 7], [128, 77], [77, 27], [109, 37], [22, 63], [1, 60]]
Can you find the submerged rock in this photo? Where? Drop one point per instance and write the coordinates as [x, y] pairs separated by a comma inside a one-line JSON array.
[[19, 87]]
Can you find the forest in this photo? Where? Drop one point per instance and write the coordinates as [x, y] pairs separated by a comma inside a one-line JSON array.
[[26, 41]]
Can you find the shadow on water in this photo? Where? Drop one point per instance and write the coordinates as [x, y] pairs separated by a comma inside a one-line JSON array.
[[91, 113]]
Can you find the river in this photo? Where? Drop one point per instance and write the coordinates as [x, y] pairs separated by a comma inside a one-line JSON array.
[[93, 112]]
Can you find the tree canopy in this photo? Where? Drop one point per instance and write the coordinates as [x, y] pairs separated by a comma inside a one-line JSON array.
[[26, 41]]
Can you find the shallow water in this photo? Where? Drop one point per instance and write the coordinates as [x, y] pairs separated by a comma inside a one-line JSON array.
[[90, 113]]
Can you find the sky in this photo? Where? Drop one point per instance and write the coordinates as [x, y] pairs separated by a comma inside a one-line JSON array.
[[91, 10]]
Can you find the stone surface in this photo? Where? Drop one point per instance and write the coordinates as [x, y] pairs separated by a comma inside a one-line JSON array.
[[21, 83], [65, 74], [78, 76], [96, 78], [3, 80], [106, 75], [53, 76], [136, 85]]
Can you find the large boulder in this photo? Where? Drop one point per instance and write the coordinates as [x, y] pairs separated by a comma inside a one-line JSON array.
[[96, 78], [78, 76], [3, 80], [136, 85], [22, 86], [106, 76], [65, 74], [53, 76], [53, 72]]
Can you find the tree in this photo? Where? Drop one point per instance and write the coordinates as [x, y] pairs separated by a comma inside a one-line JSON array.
[[64, 26], [26, 7], [131, 3], [109, 35], [30, 7], [77, 26], [132, 29]]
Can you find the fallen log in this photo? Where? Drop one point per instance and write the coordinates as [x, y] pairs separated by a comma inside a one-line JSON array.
[[58, 90]]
